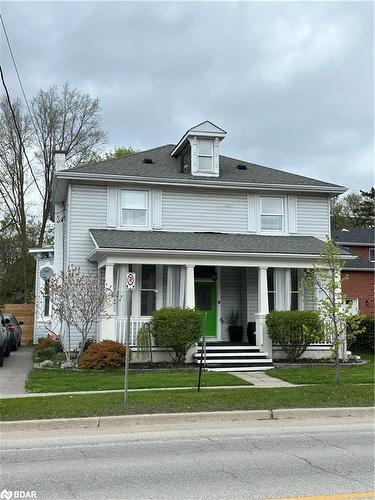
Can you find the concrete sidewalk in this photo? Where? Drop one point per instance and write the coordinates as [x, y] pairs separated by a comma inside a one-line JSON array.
[[14, 372], [261, 379]]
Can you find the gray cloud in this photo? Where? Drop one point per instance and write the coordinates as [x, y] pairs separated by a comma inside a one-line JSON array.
[[291, 82]]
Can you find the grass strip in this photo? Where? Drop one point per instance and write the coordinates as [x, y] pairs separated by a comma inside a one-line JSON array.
[[360, 374], [97, 380], [185, 401]]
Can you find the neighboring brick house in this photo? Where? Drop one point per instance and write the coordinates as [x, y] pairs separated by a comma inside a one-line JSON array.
[[359, 287]]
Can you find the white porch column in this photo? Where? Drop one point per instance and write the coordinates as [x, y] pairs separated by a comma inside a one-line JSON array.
[[262, 338], [189, 287], [108, 323]]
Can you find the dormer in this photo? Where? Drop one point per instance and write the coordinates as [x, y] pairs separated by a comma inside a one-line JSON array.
[[198, 149]]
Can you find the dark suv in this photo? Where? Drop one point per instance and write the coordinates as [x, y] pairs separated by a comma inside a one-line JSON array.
[[5, 345], [15, 330]]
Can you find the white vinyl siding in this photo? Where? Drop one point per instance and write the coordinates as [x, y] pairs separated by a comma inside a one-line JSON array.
[[313, 216], [88, 210], [232, 298], [201, 210]]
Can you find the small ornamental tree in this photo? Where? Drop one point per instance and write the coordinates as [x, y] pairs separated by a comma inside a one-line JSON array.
[[294, 331], [78, 300], [177, 330], [325, 281]]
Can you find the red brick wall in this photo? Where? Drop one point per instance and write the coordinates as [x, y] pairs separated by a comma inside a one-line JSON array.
[[360, 285], [363, 251]]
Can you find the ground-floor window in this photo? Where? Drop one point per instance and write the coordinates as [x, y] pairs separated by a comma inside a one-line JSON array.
[[294, 289], [271, 289], [148, 289], [291, 302]]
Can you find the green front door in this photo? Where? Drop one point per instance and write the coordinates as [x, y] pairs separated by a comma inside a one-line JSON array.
[[205, 301]]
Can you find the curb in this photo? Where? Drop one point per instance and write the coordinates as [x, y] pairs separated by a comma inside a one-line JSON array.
[[174, 418], [300, 413]]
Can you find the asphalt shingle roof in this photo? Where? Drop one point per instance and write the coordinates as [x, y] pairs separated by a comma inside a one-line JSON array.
[[359, 235], [164, 166], [212, 242]]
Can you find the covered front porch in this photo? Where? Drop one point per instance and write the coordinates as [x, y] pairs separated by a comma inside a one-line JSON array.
[[248, 284]]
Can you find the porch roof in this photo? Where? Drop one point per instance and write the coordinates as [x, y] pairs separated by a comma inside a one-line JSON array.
[[111, 239]]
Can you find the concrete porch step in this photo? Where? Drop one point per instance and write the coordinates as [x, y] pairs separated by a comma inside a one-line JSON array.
[[228, 356]]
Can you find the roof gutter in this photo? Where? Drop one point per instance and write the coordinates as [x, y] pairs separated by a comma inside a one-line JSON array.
[[158, 251], [199, 183]]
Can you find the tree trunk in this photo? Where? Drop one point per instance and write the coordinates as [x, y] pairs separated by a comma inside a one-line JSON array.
[[337, 367]]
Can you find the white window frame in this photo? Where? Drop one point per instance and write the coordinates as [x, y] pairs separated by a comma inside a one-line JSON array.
[[371, 250], [146, 226], [283, 215], [355, 304], [199, 155]]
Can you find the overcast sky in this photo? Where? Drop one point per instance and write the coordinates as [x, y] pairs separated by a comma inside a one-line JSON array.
[[291, 82]]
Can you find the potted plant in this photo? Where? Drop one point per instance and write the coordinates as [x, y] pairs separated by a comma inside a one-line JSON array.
[[235, 330]]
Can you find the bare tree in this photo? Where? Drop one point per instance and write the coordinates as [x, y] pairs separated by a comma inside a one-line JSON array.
[[67, 121], [16, 137], [78, 301]]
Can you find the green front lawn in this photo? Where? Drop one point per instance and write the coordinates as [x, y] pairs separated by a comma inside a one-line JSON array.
[[185, 401], [96, 380], [361, 374]]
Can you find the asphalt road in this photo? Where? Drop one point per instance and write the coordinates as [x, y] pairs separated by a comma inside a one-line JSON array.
[[260, 460]]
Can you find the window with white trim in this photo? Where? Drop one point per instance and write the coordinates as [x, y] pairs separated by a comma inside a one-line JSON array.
[[205, 155], [148, 289], [271, 213], [134, 208], [294, 289], [371, 254], [271, 289]]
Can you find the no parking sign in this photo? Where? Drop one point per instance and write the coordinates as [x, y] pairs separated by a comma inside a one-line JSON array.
[[130, 280]]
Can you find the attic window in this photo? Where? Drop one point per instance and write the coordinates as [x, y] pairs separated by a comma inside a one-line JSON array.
[[205, 155], [148, 160]]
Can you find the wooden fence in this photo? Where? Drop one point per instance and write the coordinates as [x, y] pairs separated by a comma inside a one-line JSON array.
[[25, 313]]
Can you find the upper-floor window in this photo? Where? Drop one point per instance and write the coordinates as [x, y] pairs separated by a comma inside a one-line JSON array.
[[134, 206], [371, 254], [271, 213], [205, 155]]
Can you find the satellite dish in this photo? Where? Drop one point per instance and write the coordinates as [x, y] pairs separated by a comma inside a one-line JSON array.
[[46, 273]]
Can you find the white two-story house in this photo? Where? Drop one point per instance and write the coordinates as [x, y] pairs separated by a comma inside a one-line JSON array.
[[198, 228]]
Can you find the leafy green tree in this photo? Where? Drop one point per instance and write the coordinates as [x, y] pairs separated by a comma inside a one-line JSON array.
[[117, 152], [355, 210], [325, 282]]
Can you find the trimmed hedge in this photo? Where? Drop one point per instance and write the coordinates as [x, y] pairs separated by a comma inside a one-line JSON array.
[[177, 330], [294, 331], [364, 343], [104, 354]]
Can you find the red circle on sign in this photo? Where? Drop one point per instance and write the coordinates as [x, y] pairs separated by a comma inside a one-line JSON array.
[[130, 279]]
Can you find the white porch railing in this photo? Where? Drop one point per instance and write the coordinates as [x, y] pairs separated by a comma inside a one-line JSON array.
[[135, 325]]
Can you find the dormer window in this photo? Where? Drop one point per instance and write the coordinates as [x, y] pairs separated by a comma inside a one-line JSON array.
[[203, 143], [205, 155]]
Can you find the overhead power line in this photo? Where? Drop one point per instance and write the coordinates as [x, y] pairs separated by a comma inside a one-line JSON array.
[[17, 72], [18, 130]]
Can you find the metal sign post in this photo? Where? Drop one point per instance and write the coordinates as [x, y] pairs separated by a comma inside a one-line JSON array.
[[203, 352], [130, 284]]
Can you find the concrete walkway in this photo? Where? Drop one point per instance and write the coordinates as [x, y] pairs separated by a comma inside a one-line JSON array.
[[261, 379], [14, 371]]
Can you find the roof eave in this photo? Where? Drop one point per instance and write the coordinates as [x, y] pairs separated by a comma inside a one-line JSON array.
[[199, 182]]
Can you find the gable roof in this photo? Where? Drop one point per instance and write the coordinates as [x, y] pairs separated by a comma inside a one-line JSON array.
[[208, 242], [361, 236], [165, 168]]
